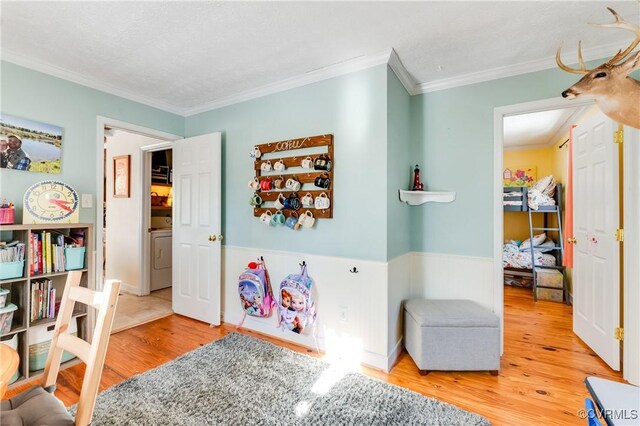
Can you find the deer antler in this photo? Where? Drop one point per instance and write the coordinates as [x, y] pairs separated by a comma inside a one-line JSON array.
[[582, 70], [621, 23]]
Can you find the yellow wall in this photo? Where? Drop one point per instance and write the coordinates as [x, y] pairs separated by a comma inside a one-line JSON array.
[[548, 161]]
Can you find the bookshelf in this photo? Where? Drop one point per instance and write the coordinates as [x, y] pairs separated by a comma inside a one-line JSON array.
[[21, 289]]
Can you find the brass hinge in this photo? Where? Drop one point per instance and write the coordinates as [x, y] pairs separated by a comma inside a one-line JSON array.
[[618, 137], [619, 234], [619, 333]]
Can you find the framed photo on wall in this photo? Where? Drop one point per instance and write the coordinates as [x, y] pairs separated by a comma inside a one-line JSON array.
[[29, 145], [121, 176]]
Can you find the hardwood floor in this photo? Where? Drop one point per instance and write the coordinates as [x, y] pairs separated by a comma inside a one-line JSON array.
[[540, 381]]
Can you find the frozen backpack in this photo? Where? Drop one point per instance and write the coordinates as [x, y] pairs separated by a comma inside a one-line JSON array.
[[296, 310], [255, 292]]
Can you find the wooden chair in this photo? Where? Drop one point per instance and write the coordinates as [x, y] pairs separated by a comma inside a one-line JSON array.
[[36, 406]]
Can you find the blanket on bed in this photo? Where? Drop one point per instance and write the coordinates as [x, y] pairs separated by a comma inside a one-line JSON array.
[[513, 257], [541, 194]]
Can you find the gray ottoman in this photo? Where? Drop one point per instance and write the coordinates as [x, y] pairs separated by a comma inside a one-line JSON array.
[[451, 335]]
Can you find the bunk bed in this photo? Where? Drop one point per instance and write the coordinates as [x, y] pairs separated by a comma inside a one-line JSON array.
[[533, 264]]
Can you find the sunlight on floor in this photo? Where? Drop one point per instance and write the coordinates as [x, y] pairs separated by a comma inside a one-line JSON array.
[[343, 350], [343, 353]]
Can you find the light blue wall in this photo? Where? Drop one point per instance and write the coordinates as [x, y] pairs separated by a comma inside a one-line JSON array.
[[354, 109], [399, 163], [30, 94], [452, 135]]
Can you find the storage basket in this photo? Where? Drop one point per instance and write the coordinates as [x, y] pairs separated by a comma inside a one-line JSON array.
[[549, 278], [4, 293], [10, 270], [6, 317], [40, 342], [159, 200], [12, 342], [74, 258], [7, 215], [552, 294]]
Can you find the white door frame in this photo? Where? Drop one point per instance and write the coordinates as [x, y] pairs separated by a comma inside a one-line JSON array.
[[145, 202], [499, 114], [132, 128], [631, 194], [631, 271]]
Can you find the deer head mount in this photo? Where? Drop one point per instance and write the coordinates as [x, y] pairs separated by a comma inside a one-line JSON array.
[[617, 94]]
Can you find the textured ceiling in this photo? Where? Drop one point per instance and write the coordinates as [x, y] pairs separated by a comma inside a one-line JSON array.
[[189, 54], [538, 129]]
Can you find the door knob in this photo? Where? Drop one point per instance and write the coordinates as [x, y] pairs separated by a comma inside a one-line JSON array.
[[220, 237], [212, 237]]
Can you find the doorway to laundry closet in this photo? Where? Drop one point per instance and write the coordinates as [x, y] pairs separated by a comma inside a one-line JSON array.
[[137, 223]]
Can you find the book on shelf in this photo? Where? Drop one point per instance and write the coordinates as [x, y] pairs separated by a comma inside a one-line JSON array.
[[31, 252], [46, 250], [11, 252], [39, 255], [43, 300]]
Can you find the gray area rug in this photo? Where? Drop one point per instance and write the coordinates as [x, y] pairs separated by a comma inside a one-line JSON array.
[[241, 380]]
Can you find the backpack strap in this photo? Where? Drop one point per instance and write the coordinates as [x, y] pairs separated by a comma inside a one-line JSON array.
[[244, 315]]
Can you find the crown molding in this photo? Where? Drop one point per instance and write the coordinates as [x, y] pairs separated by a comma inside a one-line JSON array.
[[352, 65], [527, 147], [401, 72], [511, 70], [389, 57], [45, 68]]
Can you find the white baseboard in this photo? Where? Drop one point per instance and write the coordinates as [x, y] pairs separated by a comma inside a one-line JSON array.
[[395, 354], [127, 288]]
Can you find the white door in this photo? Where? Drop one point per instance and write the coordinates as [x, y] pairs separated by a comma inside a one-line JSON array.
[[196, 221], [596, 274]]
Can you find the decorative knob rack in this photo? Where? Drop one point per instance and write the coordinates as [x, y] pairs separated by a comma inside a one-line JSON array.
[[286, 151]]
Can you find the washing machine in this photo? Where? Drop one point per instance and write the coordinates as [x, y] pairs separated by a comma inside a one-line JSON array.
[[160, 259]]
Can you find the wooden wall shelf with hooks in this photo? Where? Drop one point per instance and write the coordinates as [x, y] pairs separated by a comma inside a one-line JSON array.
[[289, 152]]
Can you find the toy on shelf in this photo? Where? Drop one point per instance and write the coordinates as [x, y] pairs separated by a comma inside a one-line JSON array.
[[417, 185]]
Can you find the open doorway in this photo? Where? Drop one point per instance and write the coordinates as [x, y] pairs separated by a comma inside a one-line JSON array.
[[535, 176], [537, 281], [593, 284], [129, 209]]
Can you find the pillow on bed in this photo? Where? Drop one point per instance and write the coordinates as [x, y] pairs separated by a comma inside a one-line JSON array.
[[545, 247], [537, 240]]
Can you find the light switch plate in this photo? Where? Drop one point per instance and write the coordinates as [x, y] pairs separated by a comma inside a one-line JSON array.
[[87, 201]]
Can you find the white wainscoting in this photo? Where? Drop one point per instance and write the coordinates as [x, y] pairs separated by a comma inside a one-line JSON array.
[[398, 290], [373, 297], [449, 276], [362, 295]]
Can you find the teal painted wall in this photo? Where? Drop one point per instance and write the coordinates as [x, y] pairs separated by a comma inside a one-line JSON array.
[[369, 113], [353, 108], [399, 163], [30, 94], [452, 135]]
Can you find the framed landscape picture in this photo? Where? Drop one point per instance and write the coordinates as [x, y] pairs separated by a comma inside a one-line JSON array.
[[29, 145], [121, 178]]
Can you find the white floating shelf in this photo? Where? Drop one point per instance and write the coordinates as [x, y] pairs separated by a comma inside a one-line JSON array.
[[415, 198]]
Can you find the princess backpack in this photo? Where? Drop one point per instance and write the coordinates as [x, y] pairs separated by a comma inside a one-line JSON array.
[[255, 292], [296, 310]]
